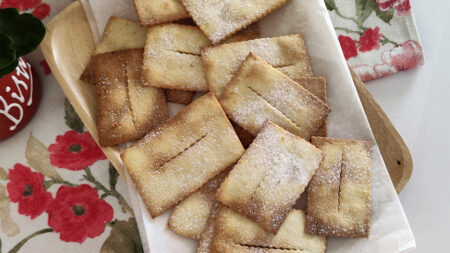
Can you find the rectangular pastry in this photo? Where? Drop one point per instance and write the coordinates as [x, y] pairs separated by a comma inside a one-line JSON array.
[[269, 178], [125, 109], [183, 154], [153, 12], [286, 53], [235, 233], [258, 92], [339, 193], [221, 19], [172, 58]]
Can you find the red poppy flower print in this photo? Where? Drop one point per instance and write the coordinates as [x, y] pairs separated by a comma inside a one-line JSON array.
[[77, 213], [407, 55], [74, 151], [41, 11], [348, 46], [403, 7], [370, 40], [25, 187], [36, 7]]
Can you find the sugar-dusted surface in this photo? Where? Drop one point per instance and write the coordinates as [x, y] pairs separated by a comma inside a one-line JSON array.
[[148, 104], [121, 34], [125, 110], [389, 228], [206, 237], [287, 53], [172, 57], [339, 193], [220, 19], [152, 12], [268, 179], [235, 233], [183, 154], [258, 92], [189, 218], [318, 87]]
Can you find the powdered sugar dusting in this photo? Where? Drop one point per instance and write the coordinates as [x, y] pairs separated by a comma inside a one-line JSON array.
[[221, 18], [288, 53], [258, 93], [339, 193], [282, 164]]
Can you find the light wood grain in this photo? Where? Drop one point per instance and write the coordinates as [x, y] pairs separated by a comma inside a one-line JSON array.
[[68, 45], [395, 153]]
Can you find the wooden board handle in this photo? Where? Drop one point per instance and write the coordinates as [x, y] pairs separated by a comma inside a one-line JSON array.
[[392, 147]]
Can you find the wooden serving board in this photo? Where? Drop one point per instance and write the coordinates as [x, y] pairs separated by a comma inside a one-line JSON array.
[[68, 45]]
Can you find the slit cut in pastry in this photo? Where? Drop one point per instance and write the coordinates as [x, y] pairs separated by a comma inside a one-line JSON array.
[[189, 218], [221, 19], [269, 178], [121, 34], [183, 154], [153, 12], [125, 109], [286, 53], [258, 92], [235, 233], [339, 194], [315, 85]]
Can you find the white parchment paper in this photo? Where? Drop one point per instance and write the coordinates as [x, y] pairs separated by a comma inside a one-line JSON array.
[[389, 228]]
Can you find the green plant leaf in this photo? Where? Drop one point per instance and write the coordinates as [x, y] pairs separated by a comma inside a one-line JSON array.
[[386, 16], [25, 30], [331, 5], [113, 175], [124, 237], [8, 53], [363, 9], [71, 117], [8, 69]]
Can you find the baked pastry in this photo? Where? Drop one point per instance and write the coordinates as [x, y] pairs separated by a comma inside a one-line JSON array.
[[179, 96], [183, 154], [204, 243], [318, 87], [286, 53], [125, 109], [269, 178], [121, 34], [172, 57], [339, 193], [258, 92], [235, 233], [315, 85], [153, 12], [189, 218], [221, 19]]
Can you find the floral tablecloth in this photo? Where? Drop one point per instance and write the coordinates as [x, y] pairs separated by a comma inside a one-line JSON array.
[[59, 193]]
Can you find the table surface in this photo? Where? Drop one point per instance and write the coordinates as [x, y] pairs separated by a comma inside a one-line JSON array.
[[416, 102]]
